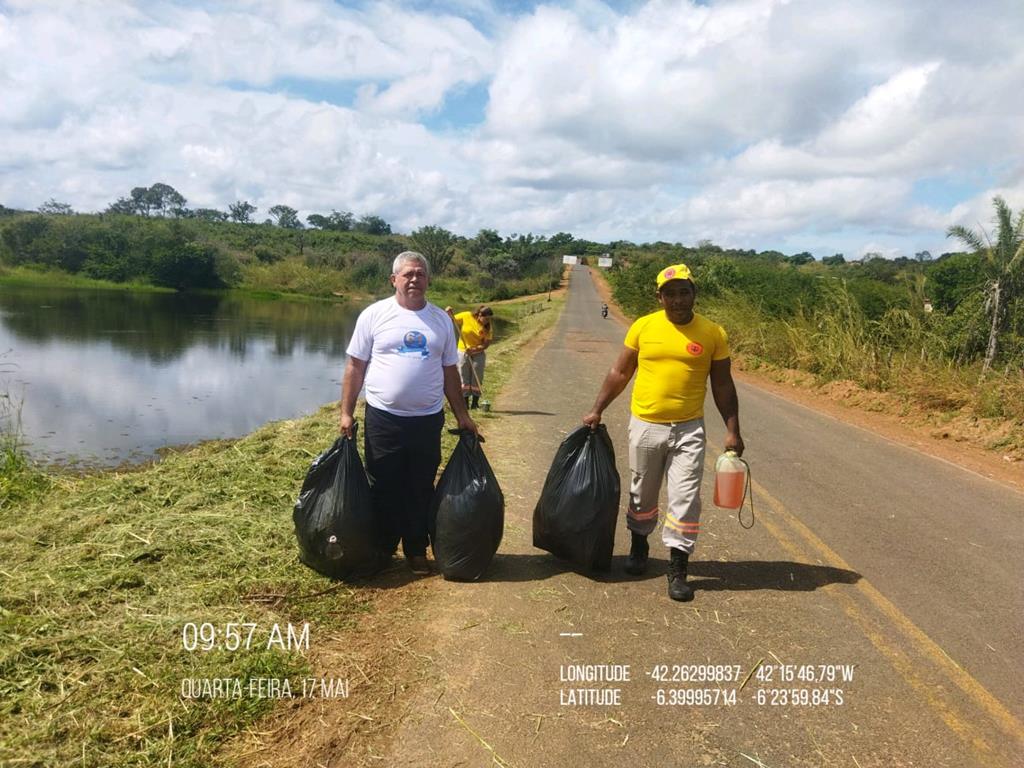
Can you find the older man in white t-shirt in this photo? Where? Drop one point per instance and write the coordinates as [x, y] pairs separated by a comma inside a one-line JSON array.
[[404, 351]]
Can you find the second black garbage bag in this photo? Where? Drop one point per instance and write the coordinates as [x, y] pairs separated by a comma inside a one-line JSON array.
[[333, 516], [467, 514], [579, 506]]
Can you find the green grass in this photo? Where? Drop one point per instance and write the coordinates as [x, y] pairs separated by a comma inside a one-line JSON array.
[[291, 276], [100, 574], [19, 480], [56, 278]]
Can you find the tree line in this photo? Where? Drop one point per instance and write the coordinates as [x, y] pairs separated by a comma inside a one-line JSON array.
[[152, 235], [880, 322], [163, 200]]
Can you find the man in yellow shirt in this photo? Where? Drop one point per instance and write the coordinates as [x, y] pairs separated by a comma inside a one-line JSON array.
[[673, 352], [475, 335]]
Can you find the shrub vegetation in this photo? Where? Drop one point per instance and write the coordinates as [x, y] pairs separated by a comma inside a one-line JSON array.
[[918, 328]]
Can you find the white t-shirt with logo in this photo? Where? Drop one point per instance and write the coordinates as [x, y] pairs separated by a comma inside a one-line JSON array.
[[405, 350]]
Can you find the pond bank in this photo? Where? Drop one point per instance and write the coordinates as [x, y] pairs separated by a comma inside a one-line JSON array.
[[131, 560]]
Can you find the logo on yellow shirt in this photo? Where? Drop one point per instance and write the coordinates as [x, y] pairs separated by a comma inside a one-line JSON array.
[[694, 348]]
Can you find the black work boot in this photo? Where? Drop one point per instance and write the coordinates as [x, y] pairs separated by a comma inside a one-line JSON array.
[[467, 401], [476, 401], [678, 589], [636, 563]]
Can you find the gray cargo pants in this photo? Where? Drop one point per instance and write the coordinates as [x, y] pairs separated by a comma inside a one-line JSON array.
[[672, 452]]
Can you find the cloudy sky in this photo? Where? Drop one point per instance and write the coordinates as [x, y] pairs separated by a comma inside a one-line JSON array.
[[820, 125]]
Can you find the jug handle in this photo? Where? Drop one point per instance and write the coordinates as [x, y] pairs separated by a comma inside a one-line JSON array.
[[747, 494]]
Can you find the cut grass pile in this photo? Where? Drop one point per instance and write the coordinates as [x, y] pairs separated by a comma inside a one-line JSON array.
[[101, 574]]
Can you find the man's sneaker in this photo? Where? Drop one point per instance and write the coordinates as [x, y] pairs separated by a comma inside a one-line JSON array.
[[418, 564], [678, 589], [636, 563]]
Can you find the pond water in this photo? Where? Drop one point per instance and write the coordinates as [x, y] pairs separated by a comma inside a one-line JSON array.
[[105, 377]]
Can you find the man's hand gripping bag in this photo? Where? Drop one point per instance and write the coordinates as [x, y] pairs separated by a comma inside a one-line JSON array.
[[579, 506], [467, 513], [333, 516]]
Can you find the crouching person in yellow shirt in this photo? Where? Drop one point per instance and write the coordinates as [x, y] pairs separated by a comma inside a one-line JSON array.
[[673, 352]]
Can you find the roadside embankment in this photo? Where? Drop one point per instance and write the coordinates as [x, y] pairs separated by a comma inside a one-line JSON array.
[[151, 615]]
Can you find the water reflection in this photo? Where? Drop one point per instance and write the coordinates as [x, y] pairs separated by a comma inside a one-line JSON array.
[[107, 376]]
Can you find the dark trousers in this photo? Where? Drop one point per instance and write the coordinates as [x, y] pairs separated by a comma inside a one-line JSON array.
[[402, 456]]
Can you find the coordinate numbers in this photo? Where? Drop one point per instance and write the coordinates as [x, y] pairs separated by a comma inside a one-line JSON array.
[[695, 697], [696, 673], [806, 673], [799, 697]]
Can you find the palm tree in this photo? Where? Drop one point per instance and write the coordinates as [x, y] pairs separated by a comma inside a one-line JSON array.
[[1003, 265]]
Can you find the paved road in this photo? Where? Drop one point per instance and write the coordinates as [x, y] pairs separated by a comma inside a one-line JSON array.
[[887, 580], [945, 546]]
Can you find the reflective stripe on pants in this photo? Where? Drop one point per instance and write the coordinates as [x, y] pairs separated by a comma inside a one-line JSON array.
[[672, 452]]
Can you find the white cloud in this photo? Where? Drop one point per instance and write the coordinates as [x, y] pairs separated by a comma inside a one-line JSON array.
[[876, 249], [767, 207], [672, 79], [887, 116], [978, 213], [761, 121]]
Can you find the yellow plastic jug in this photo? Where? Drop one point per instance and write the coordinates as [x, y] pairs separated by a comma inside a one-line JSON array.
[[730, 481]]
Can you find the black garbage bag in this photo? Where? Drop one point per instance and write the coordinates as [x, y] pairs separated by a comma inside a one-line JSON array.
[[467, 513], [579, 506], [333, 516]]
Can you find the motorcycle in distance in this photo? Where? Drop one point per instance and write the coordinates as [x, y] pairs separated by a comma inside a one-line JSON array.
[[604, 310]]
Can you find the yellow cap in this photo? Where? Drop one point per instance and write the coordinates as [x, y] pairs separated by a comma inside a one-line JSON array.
[[675, 272]]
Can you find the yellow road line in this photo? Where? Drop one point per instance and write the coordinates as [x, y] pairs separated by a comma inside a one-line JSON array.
[[897, 658], [924, 644]]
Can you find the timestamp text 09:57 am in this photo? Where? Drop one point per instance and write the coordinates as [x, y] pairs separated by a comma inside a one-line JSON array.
[[244, 636]]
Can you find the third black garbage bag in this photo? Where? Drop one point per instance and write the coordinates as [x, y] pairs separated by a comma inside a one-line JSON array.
[[579, 505], [467, 514], [333, 516]]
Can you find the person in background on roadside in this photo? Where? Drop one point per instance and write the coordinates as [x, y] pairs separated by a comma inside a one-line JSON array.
[[404, 350], [673, 352], [475, 336]]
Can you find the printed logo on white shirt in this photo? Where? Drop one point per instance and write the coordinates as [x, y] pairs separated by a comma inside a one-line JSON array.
[[415, 344]]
